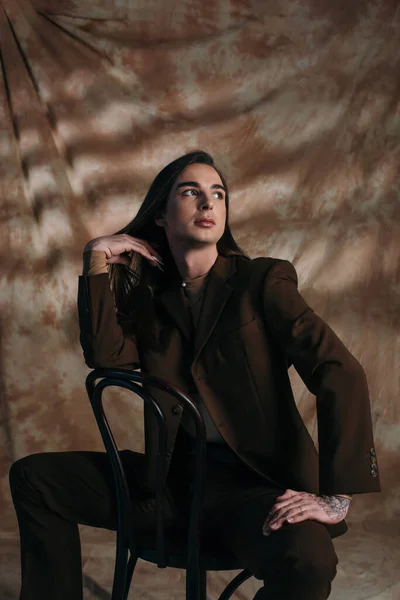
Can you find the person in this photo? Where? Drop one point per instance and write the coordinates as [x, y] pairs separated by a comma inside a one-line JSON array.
[[174, 295]]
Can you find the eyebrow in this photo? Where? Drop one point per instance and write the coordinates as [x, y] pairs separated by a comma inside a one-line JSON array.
[[215, 186]]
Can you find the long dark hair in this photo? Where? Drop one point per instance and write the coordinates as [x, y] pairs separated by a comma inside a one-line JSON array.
[[134, 287]]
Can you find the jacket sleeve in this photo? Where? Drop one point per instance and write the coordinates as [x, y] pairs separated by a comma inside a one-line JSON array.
[[347, 458], [103, 342]]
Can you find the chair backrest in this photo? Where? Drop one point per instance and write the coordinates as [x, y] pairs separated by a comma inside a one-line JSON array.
[[96, 382]]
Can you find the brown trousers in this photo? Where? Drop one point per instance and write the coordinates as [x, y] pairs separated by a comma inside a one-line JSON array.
[[52, 492]]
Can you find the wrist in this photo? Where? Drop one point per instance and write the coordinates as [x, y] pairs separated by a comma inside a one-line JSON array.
[[93, 246]]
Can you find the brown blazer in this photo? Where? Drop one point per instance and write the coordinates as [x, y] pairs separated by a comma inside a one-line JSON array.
[[254, 325]]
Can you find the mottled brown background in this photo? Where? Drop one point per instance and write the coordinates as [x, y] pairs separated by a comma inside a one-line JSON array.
[[299, 102]]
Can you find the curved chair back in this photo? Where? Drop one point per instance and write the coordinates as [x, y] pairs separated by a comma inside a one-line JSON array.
[[96, 382]]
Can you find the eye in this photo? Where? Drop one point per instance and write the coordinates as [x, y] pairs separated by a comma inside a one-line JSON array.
[[218, 195], [188, 192]]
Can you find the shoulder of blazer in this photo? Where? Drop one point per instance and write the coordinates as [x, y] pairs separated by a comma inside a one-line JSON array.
[[258, 268], [258, 276]]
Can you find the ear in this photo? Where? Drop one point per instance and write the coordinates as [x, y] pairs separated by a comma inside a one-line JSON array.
[[160, 221]]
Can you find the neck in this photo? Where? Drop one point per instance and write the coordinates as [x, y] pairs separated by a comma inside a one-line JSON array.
[[193, 262]]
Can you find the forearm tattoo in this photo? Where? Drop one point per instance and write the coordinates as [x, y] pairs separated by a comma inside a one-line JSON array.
[[334, 506]]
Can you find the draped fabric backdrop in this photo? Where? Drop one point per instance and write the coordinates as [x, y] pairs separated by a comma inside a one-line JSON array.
[[298, 101]]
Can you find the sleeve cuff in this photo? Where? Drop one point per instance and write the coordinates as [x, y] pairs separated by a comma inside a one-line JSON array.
[[94, 263], [348, 496]]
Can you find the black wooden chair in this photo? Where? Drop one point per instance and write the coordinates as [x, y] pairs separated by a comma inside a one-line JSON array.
[[165, 549]]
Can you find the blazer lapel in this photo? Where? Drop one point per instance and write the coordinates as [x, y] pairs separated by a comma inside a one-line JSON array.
[[215, 298]]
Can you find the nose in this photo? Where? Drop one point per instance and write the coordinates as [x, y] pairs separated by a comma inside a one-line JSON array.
[[206, 203]]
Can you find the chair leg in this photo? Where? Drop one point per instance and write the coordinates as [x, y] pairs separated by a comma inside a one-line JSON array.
[[203, 585], [234, 584], [128, 580], [196, 585], [121, 568]]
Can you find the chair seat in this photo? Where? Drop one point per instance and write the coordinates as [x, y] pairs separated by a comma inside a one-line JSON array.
[[213, 556]]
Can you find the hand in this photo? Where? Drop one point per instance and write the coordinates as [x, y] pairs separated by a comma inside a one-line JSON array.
[[294, 507], [120, 248]]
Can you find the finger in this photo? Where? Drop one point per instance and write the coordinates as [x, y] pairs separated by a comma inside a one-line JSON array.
[[134, 247], [293, 518], [277, 510], [290, 510], [123, 252], [266, 530], [123, 243], [272, 521], [145, 245], [153, 252], [304, 515], [154, 259], [293, 515], [285, 497], [295, 500], [265, 526], [288, 494]]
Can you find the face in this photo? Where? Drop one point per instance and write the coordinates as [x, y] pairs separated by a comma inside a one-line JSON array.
[[195, 211]]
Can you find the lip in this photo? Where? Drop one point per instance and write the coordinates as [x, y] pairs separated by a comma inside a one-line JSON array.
[[205, 222]]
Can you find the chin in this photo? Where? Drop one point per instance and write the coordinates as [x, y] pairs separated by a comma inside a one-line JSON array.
[[201, 241], [209, 235], [200, 237], [206, 239]]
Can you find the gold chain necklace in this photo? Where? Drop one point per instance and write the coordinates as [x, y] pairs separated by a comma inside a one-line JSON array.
[[190, 279]]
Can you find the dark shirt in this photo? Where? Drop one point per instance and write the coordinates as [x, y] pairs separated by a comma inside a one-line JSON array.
[[193, 293]]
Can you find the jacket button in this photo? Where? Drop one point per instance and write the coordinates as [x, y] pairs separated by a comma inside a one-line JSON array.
[[168, 456], [177, 409], [372, 452]]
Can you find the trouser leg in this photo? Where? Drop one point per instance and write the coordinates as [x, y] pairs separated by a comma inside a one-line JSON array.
[[297, 562], [52, 492]]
